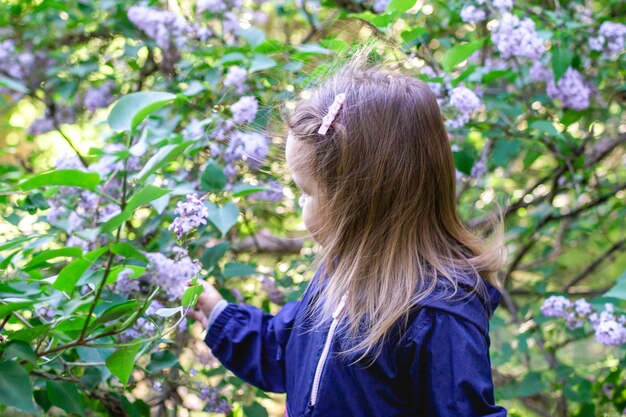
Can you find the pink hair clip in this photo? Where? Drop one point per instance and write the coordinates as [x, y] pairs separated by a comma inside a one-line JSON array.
[[332, 113]]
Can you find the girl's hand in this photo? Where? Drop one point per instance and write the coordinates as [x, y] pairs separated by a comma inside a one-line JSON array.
[[207, 300]]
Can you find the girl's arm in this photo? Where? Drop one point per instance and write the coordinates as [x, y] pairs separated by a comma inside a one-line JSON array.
[[246, 340], [451, 369]]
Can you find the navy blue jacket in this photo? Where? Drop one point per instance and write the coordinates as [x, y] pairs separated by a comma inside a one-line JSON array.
[[439, 366]]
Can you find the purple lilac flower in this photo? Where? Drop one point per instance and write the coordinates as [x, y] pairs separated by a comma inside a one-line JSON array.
[[98, 97], [610, 38], [125, 284], [274, 192], [583, 307], [40, 126], [556, 306], [167, 29], [538, 72], [610, 333], [191, 214], [465, 102], [609, 329], [213, 6], [75, 241], [236, 76], [517, 38], [379, 6], [472, 14], [245, 109], [194, 129], [230, 23], [570, 89], [255, 149], [503, 6], [215, 402], [171, 275], [47, 312]]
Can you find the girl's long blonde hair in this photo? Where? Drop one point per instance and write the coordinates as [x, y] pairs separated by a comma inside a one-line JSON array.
[[389, 217]]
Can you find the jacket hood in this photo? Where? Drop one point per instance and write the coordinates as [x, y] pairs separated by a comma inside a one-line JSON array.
[[476, 306]]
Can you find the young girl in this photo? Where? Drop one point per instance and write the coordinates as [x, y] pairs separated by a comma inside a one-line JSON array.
[[395, 321]]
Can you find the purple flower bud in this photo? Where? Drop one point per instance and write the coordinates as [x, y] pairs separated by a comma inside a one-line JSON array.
[[245, 109], [555, 306], [191, 214]]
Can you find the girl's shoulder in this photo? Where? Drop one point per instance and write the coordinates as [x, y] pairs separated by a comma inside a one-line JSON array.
[[469, 307]]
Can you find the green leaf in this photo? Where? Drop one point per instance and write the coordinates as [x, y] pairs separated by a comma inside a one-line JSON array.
[[400, 6], [238, 269], [544, 126], [44, 256], [530, 385], [14, 304], [619, 290], [162, 359], [223, 217], [15, 388], [15, 242], [411, 35], [211, 256], [64, 395], [122, 362], [190, 297], [69, 276], [561, 60], [255, 410], [14, 85], [145, 195], [261, 62], [165, 155], [460, 53], [128, 251], [115, 312], [312, 49], [253, 36], [505, 150], [21, 350], [132, 109], [213, 178], [241, 190], [64, 177]]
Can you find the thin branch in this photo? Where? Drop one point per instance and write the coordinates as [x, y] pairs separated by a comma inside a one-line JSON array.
[[608, 254]]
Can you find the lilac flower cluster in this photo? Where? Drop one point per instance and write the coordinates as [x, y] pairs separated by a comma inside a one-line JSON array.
[[217, 6], [215, 402], [245, 109], [251, 147], [571, 90], [26, 66], [98, 97], [517, 38], [143, 327], [610, 39], [125, 284], [236, 78], [609, 327], [192, 213], [170, 274], [472, 14], [73, 209], [167, 29], [503, 6], [274, 192], [379, 6], [465, 102], [49, 122]]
